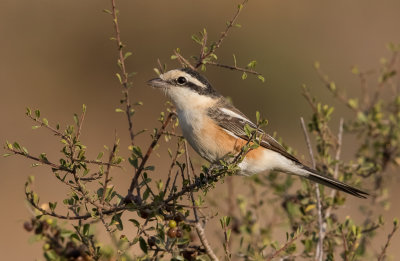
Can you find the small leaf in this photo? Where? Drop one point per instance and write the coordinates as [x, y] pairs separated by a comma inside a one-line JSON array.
[[107, 11], [244, 76], [16, 145], [52, 206], [119, 110], [37, 113], [261, 78], [119, 77], [143, 245], [127, 54]]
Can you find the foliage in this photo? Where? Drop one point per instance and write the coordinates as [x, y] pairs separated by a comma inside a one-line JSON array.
[[159, 219]]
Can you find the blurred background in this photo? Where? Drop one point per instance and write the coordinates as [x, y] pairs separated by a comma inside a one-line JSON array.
[[56, 56]]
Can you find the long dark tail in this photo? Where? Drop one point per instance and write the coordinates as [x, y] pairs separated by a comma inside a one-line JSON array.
[[332, 183]]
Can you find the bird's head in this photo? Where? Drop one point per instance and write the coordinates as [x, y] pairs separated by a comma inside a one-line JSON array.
[[185, 86]]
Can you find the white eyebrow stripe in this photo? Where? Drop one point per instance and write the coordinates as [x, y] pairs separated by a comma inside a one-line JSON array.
[[195, 81], [234, 114]]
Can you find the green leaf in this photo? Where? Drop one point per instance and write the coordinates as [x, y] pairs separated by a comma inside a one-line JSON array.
[[76, 120], [52, 206], [116, 220], [16, 145], [107, 11], [127, 54], [119, 78], [353, 103], [261, 78], [83, 108], [36, 127], [244, 76], [252, 64], [151, 168], [119, 110], [86, 229], [135, 222], [100, 155], [258, 117], [143, 245], [45, 121], [37, 113]]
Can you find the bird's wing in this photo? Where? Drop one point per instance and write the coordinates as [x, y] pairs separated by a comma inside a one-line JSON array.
[[233, 121]]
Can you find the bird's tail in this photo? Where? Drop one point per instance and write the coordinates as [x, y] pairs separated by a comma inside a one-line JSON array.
[[332, 183]]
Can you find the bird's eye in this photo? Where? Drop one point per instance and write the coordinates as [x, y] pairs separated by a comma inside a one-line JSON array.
[[181, 80]]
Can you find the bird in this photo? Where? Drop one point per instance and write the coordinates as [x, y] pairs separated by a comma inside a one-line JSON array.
[[215, 129]]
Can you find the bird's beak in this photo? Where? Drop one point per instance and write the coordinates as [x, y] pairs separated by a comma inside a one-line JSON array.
[[157, 82]]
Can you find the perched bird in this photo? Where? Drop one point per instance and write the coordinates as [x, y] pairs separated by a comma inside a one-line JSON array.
[[215, 129]]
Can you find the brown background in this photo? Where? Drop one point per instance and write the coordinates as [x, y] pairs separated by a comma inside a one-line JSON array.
[[55, 55]]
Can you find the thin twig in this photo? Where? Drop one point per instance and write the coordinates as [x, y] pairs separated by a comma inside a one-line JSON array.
[[336, 171], [125, 77], [286, 245], [148, 153], [234, 68], [107, 172], [47, 126], [319, 253], [46, 162], [223, 35], [204, 242], [383, 253], [183, 61], [344, 246], [189, 180]]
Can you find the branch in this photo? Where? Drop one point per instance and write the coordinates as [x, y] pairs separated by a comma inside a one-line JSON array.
[[383, 253], [234, 68], [47, 162], [336, 171], [286, 245], [204, 242], [183, 61], [107, 172], [148, 153], [124, 79], [319, 253], [223, 35]]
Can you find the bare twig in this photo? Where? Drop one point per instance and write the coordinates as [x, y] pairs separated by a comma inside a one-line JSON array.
[[319, 253], [204, 242], [336, 171], [189, 180], [183, 61], [383, 253]]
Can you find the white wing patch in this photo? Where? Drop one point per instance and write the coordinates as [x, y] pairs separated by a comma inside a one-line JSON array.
[[234, 114]]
